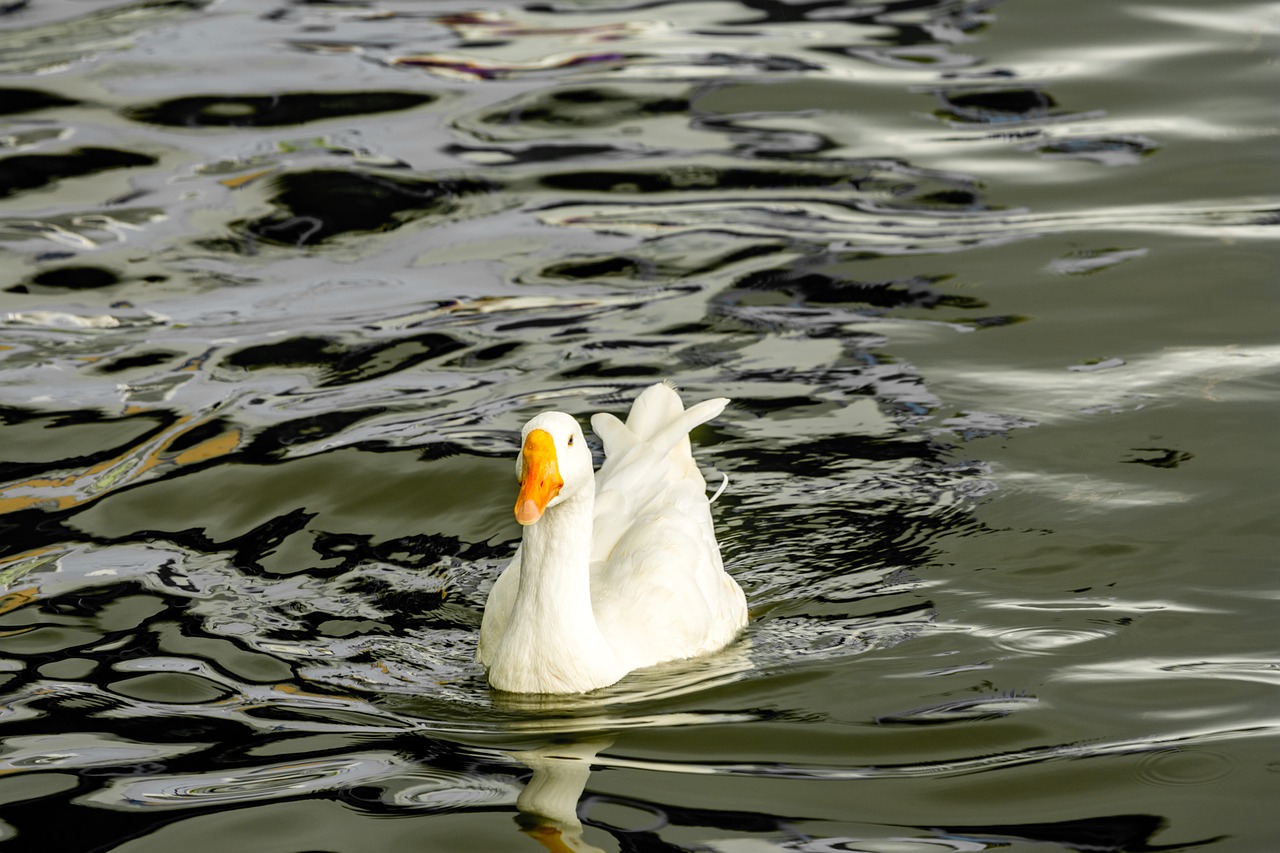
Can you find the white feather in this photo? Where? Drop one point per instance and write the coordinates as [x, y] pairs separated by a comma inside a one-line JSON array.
[[623, 570]]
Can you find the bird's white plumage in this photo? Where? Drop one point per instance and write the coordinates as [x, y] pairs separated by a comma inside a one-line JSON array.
[[623, 570]]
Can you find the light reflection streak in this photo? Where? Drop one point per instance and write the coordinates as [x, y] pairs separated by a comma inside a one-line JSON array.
[[268, 782], [82, 750], [148, 460], [1214, 374], [860, 225], [955, 768], [1261, 670]]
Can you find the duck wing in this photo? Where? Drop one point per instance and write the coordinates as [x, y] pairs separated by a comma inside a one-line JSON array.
[[646, 460], [658, 583]]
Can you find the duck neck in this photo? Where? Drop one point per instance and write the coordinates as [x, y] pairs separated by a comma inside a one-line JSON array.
[[553, 633], [555, 562]]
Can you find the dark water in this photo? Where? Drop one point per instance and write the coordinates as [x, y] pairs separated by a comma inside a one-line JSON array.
[[992, 286]]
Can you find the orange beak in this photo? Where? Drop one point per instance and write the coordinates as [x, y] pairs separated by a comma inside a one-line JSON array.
[[540, 479]]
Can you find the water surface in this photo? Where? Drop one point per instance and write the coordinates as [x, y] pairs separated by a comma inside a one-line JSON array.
[[991, 286]]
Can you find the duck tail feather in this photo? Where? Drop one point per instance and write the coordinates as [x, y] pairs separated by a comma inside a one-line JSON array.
[[657, 406], [671, 435]]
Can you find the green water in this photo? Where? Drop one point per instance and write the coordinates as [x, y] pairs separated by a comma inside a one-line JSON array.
[[992, 286]]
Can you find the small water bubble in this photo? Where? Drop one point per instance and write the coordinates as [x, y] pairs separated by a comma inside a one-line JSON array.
[[1097, 364], [684, 177]]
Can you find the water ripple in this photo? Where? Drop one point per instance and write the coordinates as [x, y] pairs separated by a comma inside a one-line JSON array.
[[51, 45], [965, 766], [896, 233], [267, 782], [1045, 641], [1262, 670], [269, 339], [436, 789], [23, 753], [1186, 766]]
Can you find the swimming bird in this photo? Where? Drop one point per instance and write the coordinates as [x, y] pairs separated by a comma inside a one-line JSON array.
[[616, 570]]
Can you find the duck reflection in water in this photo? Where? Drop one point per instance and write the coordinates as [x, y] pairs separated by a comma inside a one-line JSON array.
[[549, 802], [549, 808], [586, 724]]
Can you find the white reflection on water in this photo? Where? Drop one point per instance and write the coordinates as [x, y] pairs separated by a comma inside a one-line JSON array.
[[1216, 374], [1261, 670], [1099, 493], [83, 750], [1261, 729], [272, 781], [1252, 19], [901, 232]]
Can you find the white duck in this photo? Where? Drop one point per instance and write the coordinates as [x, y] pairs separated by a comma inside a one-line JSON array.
[[617, 570]]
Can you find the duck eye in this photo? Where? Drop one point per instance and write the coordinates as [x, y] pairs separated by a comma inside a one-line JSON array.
[[571, 441]]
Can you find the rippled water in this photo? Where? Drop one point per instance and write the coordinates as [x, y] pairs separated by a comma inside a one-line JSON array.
[[991, 286]]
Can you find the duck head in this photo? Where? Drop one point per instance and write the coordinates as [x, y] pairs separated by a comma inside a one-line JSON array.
[[553, 464]]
